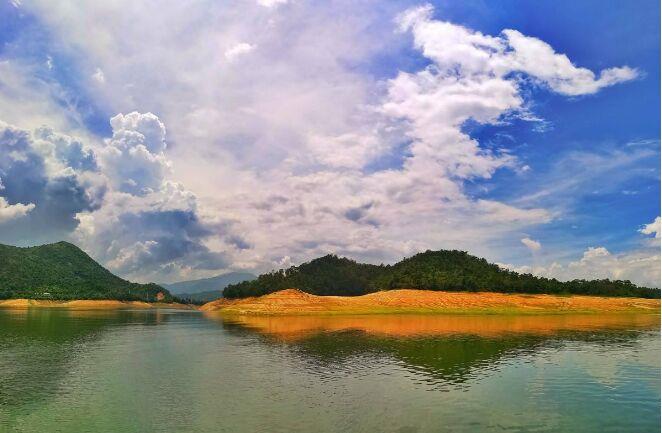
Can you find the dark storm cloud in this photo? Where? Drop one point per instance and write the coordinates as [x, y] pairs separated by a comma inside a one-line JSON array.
[[57, 197], [163, 238], [69, 150]]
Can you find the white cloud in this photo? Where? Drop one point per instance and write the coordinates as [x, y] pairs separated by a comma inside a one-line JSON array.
[[271, 3], [286, 148], [459, 50], [149, 226], [115, 200], [531, 244], [49, 178], [98, 76], [537, 58], [652, 228], [238, 50], [9, 212], [28, 102], [134, 157], [639, 266]]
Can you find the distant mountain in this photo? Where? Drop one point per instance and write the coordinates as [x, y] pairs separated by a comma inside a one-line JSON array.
[[64, 271], [201, 297], [431, 270], [186, 289]]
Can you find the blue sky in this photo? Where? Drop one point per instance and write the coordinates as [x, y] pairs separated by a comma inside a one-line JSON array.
[[604, 123], [245, 133]]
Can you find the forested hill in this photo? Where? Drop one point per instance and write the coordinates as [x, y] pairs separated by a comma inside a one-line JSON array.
[[431, 270], [64, 271]]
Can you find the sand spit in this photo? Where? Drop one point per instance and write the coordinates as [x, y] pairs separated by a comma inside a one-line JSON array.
[[86, 304], [296, 302]]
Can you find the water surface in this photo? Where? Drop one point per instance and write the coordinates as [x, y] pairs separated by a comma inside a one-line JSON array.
[[182, 371]]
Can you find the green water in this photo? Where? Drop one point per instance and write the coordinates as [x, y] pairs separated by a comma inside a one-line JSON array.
[[175, 371]]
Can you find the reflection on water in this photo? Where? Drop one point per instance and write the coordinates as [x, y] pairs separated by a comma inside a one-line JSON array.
[[412, 325], [38, 345], [176, 371], [443, 350]]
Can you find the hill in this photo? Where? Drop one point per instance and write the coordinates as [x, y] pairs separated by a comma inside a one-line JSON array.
[[63, 271], [443, 270], [186, 289]]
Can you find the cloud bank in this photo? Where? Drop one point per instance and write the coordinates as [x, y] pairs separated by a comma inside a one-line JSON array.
[[115, 199], [281, 143]]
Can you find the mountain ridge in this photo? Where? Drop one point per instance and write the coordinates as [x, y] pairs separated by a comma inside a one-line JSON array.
[[443, 270], [62, 271]]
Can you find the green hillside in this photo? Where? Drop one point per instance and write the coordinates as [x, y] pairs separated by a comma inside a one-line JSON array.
[[328, 275], [64, 271], [431, 270]]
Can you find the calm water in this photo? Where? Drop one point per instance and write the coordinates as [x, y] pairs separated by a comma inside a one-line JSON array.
[[169, 371]]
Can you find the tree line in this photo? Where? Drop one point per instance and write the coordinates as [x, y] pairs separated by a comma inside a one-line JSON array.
[[445, 270]]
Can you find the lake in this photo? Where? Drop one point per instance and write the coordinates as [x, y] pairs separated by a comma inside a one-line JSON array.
[[183, 371]]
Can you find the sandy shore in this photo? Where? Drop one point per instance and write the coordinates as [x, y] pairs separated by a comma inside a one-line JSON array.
[[86, 304], [295, 302]]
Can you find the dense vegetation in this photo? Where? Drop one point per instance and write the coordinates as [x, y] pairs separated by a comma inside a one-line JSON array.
[[431, 270], [64, 271], [328, 275]]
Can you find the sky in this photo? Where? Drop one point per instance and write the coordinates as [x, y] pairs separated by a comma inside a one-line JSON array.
[[180, 140]]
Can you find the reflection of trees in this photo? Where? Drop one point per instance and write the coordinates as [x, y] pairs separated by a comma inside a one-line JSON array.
[[39, 346], [448, 360]]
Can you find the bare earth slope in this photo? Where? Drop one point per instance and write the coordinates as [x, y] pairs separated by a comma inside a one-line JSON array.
[[87, 304], [296, 302]]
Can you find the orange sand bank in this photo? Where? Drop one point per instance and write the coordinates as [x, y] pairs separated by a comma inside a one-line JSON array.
[[296, 302], [85, 304]]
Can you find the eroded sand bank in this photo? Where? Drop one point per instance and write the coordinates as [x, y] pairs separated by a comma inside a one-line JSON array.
[[296, 302], [86, 304]]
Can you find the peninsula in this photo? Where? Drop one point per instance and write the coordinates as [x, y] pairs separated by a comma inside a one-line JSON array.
[[406, 301]]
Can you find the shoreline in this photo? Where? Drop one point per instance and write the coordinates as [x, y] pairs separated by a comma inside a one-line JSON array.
[[87, 304], [293, 302]]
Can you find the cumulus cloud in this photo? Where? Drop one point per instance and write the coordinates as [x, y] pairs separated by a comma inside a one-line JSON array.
[[149, 226], [271, 3], [115, 199], [295, 151], [531, 244], [134, 157], [98, 76], [9, 212], [238, 50], [461, 51], [49, 178], [652, 228], [538, 59], [639, 266]]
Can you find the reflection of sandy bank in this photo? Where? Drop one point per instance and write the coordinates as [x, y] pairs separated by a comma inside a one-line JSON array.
[[156, 315], [291, 302], [293, 327], [84, 304]]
